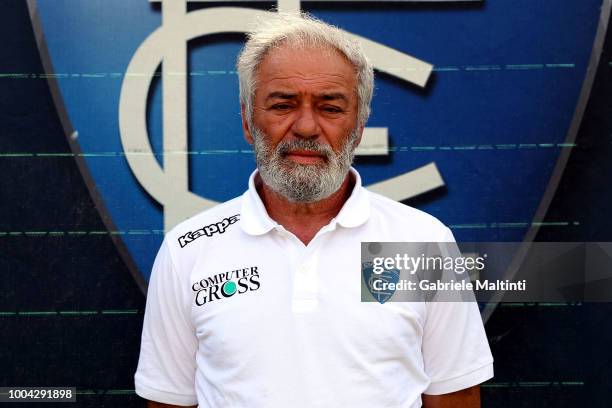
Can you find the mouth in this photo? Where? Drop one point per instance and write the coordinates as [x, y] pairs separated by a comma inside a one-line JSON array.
[[302, 156]]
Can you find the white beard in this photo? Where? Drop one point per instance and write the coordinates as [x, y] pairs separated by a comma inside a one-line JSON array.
[[302, 183]]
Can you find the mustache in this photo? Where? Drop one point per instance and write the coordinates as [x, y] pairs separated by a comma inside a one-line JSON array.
[[284, 148]]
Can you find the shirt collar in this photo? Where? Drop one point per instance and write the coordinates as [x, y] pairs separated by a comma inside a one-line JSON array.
[[255, 220], [356, 210]]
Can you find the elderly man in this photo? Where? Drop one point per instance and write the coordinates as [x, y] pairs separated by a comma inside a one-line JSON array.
[[256, 302]]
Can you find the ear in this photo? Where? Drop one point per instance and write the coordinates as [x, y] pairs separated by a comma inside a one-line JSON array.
[[245, 125]]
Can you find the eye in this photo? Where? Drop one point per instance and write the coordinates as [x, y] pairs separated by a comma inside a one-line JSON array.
[[281, 107], [332, 109]]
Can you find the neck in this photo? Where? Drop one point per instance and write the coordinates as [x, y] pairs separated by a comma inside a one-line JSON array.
[[304, 220]]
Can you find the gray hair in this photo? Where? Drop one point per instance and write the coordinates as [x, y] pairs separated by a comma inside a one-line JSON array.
[[301, 29]]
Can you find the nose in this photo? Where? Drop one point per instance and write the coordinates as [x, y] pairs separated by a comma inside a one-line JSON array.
[[305, 124]]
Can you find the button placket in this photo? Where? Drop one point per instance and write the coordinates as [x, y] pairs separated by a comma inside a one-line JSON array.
[[306, 280]]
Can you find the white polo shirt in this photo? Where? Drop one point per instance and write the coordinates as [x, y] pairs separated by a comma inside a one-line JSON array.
[[240, 313]]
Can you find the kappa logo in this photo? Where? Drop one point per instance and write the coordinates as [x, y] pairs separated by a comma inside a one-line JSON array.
[[226, 284], [208, 230]]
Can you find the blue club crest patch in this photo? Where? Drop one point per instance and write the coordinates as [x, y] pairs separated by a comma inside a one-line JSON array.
[[387, 276]]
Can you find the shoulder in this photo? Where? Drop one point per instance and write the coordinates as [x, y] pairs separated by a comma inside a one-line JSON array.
[[419, 224], [204, 234]]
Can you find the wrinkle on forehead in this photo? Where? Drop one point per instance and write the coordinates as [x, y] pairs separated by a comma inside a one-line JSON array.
[[285, 52], [307, 66], [321, 48], [325, 83]]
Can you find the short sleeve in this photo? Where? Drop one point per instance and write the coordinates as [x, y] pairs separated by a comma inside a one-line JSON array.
[[167, 363], [456, 351]]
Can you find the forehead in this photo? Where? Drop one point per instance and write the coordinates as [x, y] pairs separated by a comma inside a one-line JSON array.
[[305, 69]]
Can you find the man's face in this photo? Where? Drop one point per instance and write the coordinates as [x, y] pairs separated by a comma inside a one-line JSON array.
[[305, 125]]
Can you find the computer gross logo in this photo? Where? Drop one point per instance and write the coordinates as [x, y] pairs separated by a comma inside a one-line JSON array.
[[226, 285]]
